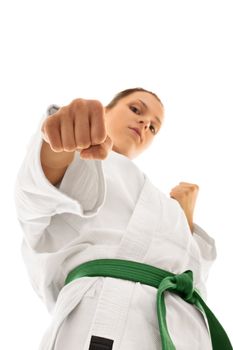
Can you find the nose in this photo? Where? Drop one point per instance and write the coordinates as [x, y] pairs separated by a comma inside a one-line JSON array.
[[146, 123]]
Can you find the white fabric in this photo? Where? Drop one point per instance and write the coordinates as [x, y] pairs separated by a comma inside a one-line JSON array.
[[107, 209]]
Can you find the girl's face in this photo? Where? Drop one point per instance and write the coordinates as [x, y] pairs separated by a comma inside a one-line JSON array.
[[139, 110]]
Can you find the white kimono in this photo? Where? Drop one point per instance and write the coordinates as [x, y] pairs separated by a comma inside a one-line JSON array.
[[107, 209]]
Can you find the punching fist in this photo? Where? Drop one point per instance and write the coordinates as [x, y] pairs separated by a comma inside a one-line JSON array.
[[78, 126], [186, 194]]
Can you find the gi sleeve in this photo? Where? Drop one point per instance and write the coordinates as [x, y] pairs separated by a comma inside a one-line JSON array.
[[207, 248], [82, 190]]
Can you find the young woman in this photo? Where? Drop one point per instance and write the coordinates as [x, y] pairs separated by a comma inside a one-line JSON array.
[[118, 264]]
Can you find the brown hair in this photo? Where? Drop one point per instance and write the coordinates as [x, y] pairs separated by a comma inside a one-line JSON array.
[[127, 92]]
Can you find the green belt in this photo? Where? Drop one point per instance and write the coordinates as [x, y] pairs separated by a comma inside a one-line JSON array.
[[180, 284]]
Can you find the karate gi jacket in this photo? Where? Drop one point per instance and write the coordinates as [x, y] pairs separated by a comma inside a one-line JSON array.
[[107, 209]]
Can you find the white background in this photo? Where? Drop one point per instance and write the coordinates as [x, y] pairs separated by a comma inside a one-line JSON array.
[[55, 51]]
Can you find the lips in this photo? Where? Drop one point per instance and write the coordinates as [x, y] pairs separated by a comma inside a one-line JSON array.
[[137, 131]]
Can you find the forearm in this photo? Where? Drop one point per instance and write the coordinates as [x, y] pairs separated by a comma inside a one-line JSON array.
[[54, 164], [55, 160]]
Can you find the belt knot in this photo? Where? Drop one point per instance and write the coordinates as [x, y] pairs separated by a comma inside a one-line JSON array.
[[181, 284], [184, 284]]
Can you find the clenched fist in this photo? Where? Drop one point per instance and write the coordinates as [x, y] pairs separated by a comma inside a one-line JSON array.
[[186, 194], [78, 126]]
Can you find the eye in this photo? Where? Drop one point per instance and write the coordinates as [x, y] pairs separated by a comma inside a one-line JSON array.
[[135, 109], [154, 132]]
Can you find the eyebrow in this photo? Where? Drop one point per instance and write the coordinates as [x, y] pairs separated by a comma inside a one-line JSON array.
[[147, 108]]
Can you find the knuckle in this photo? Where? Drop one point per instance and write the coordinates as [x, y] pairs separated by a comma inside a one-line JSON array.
[[194, 187], [96, 104], [78, 104], [97, 108], [77, 101]]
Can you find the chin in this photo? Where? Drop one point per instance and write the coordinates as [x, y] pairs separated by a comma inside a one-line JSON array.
[[125, 151]]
